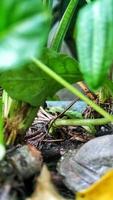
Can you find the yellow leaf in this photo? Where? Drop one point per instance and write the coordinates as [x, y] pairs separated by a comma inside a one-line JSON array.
[[101, 190]]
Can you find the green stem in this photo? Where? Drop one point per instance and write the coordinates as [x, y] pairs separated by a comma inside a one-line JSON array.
[[75, 91], [7, 101], [1, 123], [27, 121], [2, 145], [80, 122], [19, 119], [63, 26]]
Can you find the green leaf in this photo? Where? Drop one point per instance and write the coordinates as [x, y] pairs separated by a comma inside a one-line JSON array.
[[24, 27], [32, 85], [95, 41], [62, 64]]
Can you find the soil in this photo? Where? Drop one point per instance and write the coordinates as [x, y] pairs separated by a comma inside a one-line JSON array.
[[14, 185], [53, 147]]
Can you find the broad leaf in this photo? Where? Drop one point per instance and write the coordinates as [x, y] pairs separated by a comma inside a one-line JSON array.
[[24, 26], [95, 41], [31, 85]]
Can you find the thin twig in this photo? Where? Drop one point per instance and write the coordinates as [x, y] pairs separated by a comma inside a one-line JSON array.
[[62, 113]]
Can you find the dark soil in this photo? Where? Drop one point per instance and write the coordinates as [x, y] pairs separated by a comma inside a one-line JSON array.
[[53, 147], [14, 186]]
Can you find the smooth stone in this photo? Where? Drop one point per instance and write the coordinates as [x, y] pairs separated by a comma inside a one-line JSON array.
[[80, 168]]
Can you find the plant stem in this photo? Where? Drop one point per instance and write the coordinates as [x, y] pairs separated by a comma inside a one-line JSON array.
[[2, 146], [80, 122], [75, 91], [63, 26], [7, 101], [27, 121], [20, 117], [1, 123]]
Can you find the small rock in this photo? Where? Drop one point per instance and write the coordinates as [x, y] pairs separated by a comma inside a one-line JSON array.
[[27, 160], [83, 167]]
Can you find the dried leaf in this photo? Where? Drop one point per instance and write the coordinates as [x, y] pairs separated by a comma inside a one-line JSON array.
[[44, 188]]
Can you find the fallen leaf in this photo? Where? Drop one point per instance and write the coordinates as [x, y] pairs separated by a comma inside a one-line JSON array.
[[45, 190], [101, 190]]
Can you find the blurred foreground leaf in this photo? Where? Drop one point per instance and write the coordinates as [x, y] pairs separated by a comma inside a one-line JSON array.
[[95, 41], [45, 190], [24, 26]]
